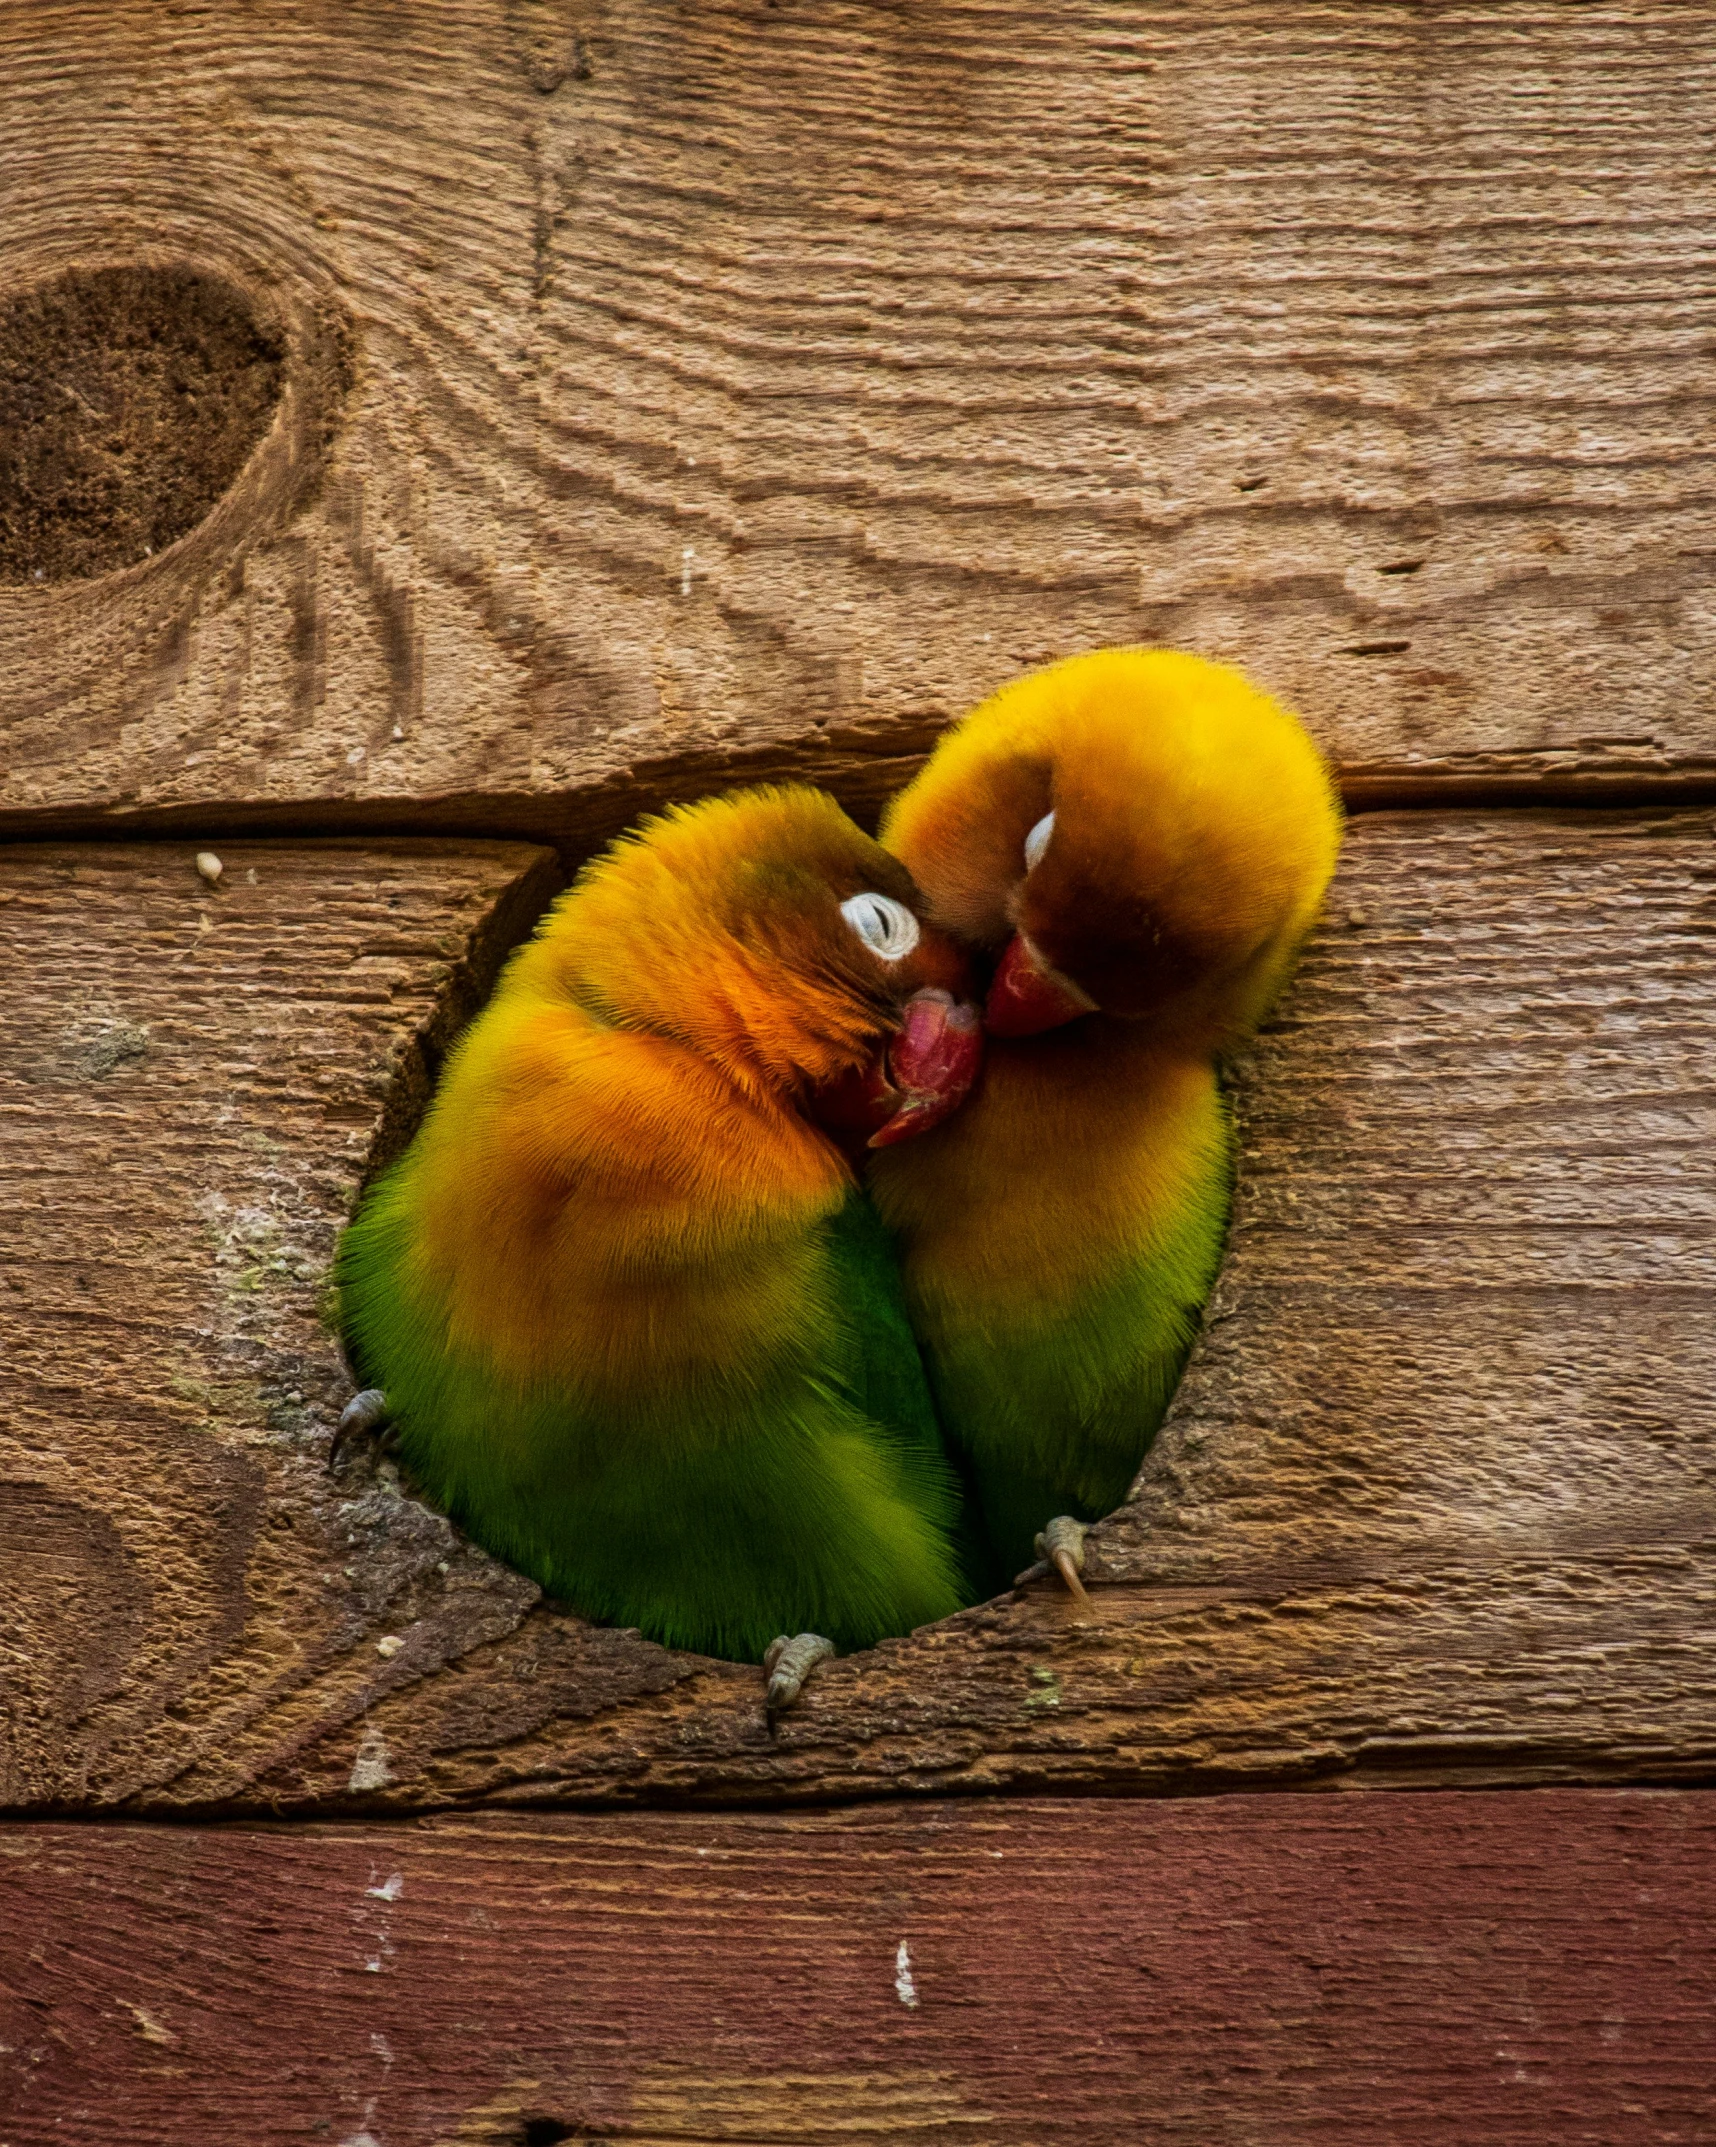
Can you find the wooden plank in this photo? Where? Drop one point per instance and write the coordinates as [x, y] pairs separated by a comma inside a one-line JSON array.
[[1511, 1968], [192, 1080], [1434, 1502], [677, 391]]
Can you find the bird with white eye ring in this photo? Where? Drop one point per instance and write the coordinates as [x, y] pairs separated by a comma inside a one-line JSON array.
[[1060, 1233], [885, 926], [637, 1328]]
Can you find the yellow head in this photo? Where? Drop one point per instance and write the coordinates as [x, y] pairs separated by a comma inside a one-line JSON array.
[[1134, 829]]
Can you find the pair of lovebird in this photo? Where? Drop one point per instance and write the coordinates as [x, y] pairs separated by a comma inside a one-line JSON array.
[[730, 1288]]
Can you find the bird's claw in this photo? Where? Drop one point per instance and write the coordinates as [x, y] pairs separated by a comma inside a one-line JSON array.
[[364, 1415], [1060, 1549], [786, 1665]]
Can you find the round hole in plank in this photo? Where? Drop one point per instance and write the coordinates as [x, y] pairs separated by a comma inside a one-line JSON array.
[[130, 398]]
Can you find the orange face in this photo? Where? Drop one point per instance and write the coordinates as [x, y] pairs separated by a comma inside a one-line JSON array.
[[771, 933]]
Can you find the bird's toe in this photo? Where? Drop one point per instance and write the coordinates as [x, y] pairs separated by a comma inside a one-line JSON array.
[[1060, 1549], [364, 1416], [786, 1665]]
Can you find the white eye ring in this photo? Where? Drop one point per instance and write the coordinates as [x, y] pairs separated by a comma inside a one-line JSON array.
[[885, 926], [1037, 841]]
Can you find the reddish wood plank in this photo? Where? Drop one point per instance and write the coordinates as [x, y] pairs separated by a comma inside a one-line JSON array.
[[1506, 1968]]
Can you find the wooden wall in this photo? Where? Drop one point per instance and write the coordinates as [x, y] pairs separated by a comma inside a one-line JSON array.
[[431, 434]]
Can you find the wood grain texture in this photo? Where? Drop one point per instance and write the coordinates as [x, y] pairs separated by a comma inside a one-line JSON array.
[[675, 389], [1435, 1501], [1506, 1968], [191, 1082]]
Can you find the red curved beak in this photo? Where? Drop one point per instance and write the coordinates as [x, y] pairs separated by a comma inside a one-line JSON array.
[[925, 1073], [932, 1063], [1027, 996]]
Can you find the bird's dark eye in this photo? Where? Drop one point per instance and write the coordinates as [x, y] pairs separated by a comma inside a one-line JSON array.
[[1037, 841], [885, 926]]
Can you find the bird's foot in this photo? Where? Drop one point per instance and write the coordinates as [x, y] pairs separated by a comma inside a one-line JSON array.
[[363, 1417], [786, 1665], [1060, 1549]]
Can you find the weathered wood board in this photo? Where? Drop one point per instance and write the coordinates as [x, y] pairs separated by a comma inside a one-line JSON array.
[[676, 389], [193, 1080], [486, 419], [1437, 1500], [1505, 1967]]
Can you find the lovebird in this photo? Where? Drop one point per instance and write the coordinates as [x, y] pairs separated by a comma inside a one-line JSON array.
[[638, 1330], [1141, 840]]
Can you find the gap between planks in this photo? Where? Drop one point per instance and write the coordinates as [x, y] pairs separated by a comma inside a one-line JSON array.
[[578, 824]]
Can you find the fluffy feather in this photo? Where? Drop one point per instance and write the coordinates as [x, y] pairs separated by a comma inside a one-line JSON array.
[[1061, 1232], [642, 1335]]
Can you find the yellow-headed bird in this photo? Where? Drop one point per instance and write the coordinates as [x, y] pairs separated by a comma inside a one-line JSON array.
[[1142, 839], [639, 1331]]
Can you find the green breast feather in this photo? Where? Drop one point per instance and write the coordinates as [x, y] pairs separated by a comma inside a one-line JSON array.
[[808, 1490]]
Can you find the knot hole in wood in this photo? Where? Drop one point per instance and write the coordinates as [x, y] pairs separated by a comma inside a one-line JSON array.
[[130, 398], [164, 416]]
